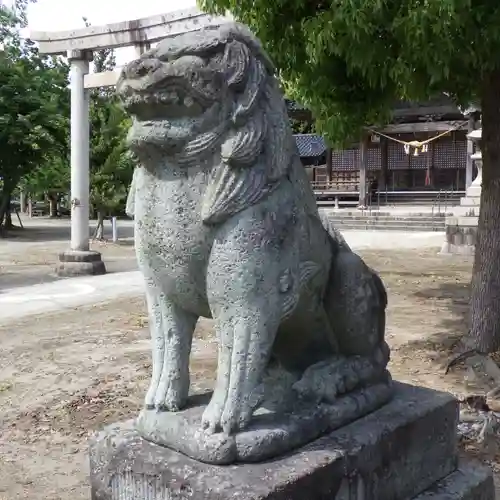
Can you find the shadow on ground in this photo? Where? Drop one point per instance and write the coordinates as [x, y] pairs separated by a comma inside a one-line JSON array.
[[58, 230], [35, 275], [454, 297]]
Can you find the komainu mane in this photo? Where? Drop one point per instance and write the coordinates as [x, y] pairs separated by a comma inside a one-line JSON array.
[[226, 227]]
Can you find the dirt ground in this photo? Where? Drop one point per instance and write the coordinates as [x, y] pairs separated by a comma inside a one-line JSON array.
[[66, 374]]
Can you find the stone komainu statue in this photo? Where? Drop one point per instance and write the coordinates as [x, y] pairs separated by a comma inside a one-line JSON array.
[[226, 227]]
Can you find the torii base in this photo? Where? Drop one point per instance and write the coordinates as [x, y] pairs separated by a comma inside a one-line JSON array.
[[74, 263]]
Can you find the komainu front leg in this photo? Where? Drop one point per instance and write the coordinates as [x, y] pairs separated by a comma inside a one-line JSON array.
[[246, 340], [171, 335], [249, 255]]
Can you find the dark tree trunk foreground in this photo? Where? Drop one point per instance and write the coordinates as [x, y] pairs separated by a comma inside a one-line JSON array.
[[5, 218], [485, 293]]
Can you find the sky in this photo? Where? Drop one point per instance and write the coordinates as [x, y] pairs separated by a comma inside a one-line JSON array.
[[55, 15]]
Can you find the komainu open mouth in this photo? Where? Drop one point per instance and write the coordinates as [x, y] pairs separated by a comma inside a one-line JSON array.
[[161, 105], [153, 90]]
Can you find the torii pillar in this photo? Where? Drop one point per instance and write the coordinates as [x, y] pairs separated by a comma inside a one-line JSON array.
[[79, 259]]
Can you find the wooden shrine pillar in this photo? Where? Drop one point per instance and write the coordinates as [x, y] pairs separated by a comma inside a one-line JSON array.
[[363, 169], [329, 167], [384, 164]]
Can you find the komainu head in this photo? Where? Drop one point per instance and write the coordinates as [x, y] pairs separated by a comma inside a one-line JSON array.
[[211, 95], [204, 90]]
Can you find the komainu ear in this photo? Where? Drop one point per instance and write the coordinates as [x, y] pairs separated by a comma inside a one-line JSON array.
[[237, 60], [249, 97], [246, 77]]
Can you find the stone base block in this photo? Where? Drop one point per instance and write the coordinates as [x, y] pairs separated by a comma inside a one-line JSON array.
[[269, 434], [471, 201], [461, 235], [395, 453], [80, 263], [468, 482]]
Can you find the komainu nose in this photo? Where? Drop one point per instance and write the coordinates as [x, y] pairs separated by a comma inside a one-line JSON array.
[[141, 67]]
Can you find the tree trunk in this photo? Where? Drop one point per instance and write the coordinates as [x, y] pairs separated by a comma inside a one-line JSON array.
[[485, 293], [8, 218], [99, 230], [5, 219]]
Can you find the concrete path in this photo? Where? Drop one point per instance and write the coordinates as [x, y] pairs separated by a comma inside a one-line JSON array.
[[393, 240], [61, 294], [67, 293]]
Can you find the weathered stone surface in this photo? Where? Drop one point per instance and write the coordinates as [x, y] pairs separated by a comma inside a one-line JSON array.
[[79, 263], [461, 235], [394, 453], [226, 226], [468, 482], [267, 435]]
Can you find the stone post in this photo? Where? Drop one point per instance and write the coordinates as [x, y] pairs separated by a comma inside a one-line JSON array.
[[473, 193], [363, 168], [22, 201], [461, 229], [475, 188], [79, 260], [470, 151]]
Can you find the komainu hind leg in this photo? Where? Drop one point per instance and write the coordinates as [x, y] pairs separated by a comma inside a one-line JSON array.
[[355, 302]]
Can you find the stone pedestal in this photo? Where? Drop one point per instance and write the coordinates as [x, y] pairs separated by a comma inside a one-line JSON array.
[[407, 449], [80, 263], [461, 235], [461, 230]]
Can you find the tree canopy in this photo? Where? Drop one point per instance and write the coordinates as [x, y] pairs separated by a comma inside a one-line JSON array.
[[111, 166], [33, 88], [349, 60]]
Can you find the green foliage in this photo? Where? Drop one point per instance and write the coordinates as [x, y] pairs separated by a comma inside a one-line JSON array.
[[51, 179], [111, 166], [349, 60], [302, 127], [33, 90]]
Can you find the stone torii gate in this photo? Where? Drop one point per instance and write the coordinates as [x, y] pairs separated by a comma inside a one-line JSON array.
[[78, 45]]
